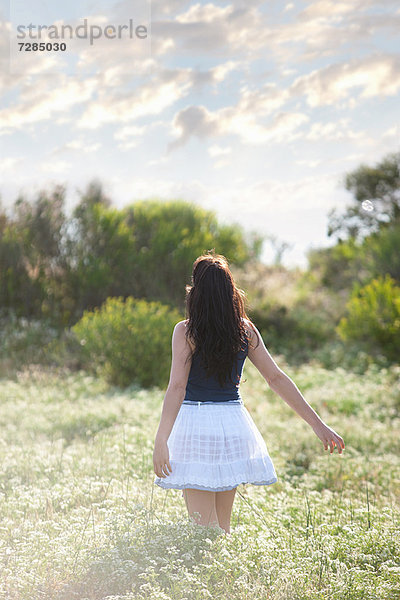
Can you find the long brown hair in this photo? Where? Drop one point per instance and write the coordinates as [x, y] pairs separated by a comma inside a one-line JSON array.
[[215, 309]]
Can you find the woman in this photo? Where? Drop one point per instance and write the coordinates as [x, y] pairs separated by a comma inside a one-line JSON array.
[[207, 443]]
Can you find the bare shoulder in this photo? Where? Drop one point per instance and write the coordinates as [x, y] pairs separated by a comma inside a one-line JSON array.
[[251, 333], [180, 331]]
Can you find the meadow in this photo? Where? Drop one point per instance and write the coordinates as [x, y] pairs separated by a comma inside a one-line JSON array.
[[80, 517]]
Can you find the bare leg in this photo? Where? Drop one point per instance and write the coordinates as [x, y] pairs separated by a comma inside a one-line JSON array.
[[203, 502], [223, 506]]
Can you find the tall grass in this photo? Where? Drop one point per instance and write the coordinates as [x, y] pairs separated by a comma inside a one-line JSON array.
[[81, 518]]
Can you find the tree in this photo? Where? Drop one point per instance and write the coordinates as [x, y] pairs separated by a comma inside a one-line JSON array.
[[367, 240], [30, 250], [99, 253], [376, 192], [145, 250], [169, 235], [380, 252], [58, 267], [339, 265]]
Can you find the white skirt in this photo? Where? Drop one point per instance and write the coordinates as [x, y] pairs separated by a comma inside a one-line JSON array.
[[215, 446]]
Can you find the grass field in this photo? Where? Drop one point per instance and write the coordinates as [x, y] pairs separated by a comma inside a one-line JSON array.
[[81, 518]]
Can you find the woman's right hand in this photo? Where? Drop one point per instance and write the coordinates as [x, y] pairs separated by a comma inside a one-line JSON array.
[[329, 437], [161, 462]]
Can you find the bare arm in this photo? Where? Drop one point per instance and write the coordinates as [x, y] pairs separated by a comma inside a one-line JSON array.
[[285, 387], [177, 382], [173, 399]]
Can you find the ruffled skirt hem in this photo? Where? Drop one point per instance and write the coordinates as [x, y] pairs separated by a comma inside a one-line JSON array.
[[196, 486]]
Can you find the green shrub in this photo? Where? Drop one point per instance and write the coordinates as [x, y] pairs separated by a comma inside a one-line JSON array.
[[128, 341], [338, 266], [381, 252], [349, 355], [296, 332], [22, 341], [374, 316]]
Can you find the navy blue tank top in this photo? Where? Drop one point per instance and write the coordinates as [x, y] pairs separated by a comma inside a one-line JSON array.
[[203, 388]]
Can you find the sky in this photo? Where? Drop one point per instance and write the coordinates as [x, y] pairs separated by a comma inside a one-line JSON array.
[[255, 110]]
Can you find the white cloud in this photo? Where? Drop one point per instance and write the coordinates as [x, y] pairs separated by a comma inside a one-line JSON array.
[[375, 76], [216, 150], [281, 129], [240, 120], [219, 164], [16, 71], [164, 89], [244, 119], [392, 132], [309, 163], [216, 31], [206, 13], [126, 133], [328, 8], [323, 28], [40, 102], [55, 166], [9, 164], [220, 72], [334, 130], [327, 28], [148, 99], [157, 161], [80, 145], [263, 100], [128, 145]]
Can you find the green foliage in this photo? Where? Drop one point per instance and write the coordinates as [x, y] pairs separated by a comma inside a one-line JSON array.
[[169, 236], [19, 290], [100, 256], [56, 267], [349, 355], [380, 186], [368, 240], [30, 254], [338, 266], [373, 316], [23, 341], [297, 333], [380, 252], [129, 341]]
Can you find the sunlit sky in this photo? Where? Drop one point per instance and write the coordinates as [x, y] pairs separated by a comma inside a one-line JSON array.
[[255, 110]]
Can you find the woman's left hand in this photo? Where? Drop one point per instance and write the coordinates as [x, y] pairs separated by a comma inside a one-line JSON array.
[[161, 459], [329, 437]]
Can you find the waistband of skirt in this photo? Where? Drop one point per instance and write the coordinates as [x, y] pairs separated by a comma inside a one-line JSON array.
[[216, 403]]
